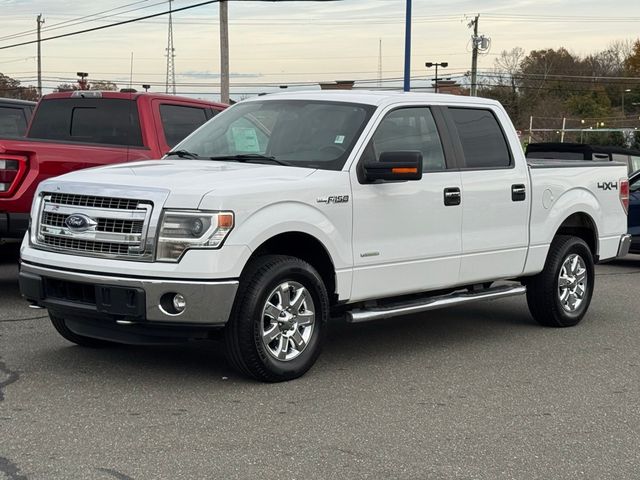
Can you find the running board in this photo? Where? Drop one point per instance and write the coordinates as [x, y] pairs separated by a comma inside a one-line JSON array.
[[432, 303]]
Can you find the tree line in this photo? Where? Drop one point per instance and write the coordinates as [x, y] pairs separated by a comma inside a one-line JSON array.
[[595, 91]]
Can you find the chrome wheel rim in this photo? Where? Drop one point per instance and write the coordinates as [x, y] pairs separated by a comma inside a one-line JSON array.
[[288, 319], [572, 283]]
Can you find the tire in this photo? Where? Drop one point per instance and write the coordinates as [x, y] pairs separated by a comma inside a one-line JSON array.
[[270, 336], [61, 327], [560, 295]]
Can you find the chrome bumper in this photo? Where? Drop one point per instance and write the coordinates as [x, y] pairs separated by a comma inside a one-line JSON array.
[[625, 244], [208, 302]]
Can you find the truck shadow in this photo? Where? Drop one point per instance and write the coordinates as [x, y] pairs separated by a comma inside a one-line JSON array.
[[347, 345], [9, 253]]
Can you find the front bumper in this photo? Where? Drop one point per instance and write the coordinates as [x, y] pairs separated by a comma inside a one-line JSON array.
[[126, 300], [625, 245]]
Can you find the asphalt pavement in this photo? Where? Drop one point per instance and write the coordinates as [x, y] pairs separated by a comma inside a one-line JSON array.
[[476, 392]]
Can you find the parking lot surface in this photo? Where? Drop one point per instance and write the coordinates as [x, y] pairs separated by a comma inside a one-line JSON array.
[[477, 392]]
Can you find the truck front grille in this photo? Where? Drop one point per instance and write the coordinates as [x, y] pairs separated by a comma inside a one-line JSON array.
[[113, 227]]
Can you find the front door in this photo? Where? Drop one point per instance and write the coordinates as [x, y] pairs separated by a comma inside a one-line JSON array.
[[405, 239]]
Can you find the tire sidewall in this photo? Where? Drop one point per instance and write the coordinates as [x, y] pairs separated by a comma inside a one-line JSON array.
[[304, 274]]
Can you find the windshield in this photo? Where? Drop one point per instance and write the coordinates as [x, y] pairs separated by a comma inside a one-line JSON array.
[[314, 134]]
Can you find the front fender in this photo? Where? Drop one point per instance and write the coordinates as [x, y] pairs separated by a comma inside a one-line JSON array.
[[332, 229]]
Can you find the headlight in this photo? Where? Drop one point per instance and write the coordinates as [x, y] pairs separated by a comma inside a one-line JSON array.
[[180, 231]]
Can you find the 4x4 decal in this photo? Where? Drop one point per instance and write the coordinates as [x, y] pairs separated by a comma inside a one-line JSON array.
[[608, 185]]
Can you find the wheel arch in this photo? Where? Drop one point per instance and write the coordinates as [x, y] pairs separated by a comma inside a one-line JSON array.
[[306, 247], [581, 225]]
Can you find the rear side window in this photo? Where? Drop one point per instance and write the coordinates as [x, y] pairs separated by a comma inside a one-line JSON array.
[[179, 121], [13, 122], [108, 121], [481, 137]]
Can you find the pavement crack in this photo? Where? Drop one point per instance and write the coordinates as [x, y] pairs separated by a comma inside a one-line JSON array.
[[23, 319], [10, 470], [615, 274], [115, 473], [9, 377]]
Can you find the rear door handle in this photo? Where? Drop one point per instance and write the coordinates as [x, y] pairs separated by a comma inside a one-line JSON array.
[[452, 196], [518, 192]]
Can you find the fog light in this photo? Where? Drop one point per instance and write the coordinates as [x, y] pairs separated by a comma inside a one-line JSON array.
[[172, 303], [179, 302]]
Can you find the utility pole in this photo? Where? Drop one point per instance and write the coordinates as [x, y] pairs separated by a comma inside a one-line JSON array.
[[474, 56], [224, 51], [380, 64], [39, 21]]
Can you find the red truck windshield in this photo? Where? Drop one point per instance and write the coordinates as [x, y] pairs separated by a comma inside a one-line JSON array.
[[108, 121]]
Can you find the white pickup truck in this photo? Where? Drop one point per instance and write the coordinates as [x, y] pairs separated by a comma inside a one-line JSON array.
[[289, 209]]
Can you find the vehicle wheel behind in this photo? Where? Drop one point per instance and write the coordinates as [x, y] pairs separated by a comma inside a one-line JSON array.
[[61, 327], [279, 319], [560, 295]]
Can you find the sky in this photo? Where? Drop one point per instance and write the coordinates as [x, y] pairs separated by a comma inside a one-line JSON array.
[[294, 43]]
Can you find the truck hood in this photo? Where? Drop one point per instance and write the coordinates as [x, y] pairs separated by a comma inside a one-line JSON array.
[[187, 181]]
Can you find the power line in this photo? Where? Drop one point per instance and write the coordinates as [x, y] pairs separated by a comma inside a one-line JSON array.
[[75, 21], [102, 27]]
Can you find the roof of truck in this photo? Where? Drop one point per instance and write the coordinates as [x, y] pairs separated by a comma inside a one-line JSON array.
[[15, 101], [128, 96], [374, 97]]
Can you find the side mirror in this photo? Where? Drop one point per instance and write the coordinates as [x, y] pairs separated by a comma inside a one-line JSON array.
[[395, 166]]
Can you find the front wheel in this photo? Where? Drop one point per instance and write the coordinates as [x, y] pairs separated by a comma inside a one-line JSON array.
[[560, 295], [279, 319]]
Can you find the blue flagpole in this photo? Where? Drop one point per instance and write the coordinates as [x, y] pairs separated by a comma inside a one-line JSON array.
[[407, 49]]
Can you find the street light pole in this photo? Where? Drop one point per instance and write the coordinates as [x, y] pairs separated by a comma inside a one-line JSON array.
[[407, 48], [434, 64]]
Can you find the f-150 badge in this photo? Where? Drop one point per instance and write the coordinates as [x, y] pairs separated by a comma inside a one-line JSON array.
[[608, 185], [333, 199]]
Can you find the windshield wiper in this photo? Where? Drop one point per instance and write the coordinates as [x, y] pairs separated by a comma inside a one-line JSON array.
[[182, 154], [249, 157]]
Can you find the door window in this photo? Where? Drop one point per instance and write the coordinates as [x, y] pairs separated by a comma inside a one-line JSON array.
[[482, 139], [179, 121], [409, 129]]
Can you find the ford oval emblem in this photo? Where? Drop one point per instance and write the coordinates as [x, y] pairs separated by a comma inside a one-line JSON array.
[[79, 222]]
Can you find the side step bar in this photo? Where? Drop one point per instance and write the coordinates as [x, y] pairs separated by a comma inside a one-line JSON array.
[[432, 303]]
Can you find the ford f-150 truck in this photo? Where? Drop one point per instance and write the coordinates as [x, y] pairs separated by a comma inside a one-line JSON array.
[[74, 130], [288, 209]]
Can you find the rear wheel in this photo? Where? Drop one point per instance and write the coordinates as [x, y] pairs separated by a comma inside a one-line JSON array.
[[560, 295], [61, 327], [279, 320]]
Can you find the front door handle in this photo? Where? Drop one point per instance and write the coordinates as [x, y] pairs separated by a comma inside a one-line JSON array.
[[518, 192], [452, 196]]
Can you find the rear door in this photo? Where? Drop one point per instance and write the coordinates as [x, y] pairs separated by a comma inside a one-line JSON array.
[[495, 195], [405, 239]]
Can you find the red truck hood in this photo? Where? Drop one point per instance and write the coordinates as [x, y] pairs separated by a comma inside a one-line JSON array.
[[186, 180]]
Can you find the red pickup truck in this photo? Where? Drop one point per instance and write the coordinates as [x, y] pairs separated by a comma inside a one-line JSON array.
[[81, 129]]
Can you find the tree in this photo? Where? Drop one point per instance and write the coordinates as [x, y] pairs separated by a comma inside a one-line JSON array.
[[11, 88], [632, 62], [104, 85]]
